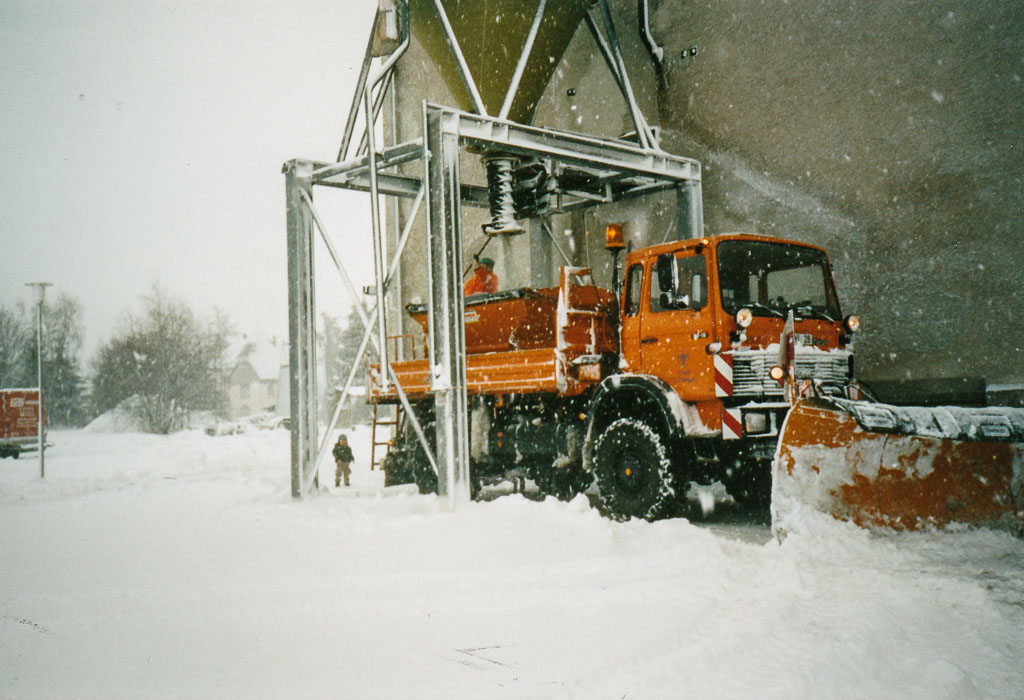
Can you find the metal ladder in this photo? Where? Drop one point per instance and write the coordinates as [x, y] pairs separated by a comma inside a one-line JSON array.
[[374, 442]]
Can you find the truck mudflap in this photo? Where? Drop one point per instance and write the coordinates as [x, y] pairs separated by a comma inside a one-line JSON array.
[[900, 468]]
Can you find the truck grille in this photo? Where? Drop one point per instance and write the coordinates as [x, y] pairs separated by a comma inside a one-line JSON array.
[[750, 370]]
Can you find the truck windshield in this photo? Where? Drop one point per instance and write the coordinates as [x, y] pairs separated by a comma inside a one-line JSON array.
[[772, 278]]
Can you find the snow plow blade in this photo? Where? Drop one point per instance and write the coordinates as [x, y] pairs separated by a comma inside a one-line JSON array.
[[900, 468]]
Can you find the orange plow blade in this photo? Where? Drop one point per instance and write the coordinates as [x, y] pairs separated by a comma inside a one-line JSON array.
[[902, 468]]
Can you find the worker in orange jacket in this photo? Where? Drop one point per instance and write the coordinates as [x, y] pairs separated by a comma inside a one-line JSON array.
[[483, 281]]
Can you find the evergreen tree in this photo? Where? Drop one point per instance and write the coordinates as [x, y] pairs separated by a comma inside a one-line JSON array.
[[348, 344], [63, 383]]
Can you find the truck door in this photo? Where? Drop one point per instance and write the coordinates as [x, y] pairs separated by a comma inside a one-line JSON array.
[[678, 323]]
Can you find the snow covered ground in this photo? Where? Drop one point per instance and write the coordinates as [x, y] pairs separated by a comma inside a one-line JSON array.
[[146, 566]]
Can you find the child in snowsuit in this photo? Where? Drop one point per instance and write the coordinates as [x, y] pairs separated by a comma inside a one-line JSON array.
[[342, 460]]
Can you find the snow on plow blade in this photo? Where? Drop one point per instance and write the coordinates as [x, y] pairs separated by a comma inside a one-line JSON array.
[[901, 468]]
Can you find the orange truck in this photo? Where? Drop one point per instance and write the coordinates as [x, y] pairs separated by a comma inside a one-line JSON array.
[[665, 382], [19, 421]]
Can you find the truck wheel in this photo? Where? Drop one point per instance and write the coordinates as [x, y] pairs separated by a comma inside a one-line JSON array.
[[634, 476]]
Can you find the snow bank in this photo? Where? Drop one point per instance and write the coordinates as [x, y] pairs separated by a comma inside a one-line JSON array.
[[116, 420], [156, 566]]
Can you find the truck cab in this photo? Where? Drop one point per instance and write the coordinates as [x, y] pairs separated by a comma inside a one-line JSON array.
[[700, 328], [705, 316]]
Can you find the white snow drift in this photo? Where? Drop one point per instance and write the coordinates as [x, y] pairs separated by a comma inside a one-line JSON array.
[[179, 566]]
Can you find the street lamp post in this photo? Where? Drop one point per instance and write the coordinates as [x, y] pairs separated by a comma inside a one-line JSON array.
[[39, 290]]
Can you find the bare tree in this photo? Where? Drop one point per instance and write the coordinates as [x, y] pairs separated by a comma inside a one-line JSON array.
[[162, 366], [63, 384], [15, 344]]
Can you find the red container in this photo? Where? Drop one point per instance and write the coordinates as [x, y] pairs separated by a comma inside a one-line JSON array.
[[19, 420]]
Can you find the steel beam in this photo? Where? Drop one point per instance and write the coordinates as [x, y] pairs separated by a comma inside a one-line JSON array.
[[400, 186], [301, 325], [378, 247], [460, 59], [353, 111], [614, 156], [609, 46], [524, 57], [447, 335], [386, 158]]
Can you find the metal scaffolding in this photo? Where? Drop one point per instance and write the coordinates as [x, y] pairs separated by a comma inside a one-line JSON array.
[[577, 171]]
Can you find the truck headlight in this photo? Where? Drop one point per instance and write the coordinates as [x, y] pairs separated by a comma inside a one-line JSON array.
[[743, 317], [852, 323], [755, 423]]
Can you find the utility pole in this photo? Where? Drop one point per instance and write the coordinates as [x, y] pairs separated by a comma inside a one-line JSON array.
[[39, 290]]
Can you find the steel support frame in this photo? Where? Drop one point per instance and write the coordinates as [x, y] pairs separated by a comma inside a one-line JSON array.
[[301, 325], [635, 170], [619, 169], [447, 331]]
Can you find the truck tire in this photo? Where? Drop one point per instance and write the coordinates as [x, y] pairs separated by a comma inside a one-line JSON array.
[[634, 475]]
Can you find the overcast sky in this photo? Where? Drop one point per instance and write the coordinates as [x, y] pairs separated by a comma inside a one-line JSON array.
[[143, 140]]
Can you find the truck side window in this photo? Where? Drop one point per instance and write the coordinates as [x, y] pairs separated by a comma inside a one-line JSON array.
[[634, 284], [693, 281], [692, 292]]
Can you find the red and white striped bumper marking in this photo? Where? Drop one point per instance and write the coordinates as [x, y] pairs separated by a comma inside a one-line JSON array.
[[723, 375], [732, 424]]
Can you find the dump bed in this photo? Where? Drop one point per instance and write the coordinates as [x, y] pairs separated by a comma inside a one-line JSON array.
[[524, 341]]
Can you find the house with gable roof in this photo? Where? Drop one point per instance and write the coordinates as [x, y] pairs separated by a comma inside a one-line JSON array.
[[258, 380]]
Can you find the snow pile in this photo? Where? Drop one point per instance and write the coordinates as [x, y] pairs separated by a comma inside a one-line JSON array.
[[151, 566], [116, 420]]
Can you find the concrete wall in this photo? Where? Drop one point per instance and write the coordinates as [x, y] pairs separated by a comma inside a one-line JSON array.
[[889, 132]]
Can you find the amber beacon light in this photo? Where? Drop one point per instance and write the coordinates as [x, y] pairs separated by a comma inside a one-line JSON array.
[[613, 237]]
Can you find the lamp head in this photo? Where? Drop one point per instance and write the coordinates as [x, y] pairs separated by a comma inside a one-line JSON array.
[[39, 290]]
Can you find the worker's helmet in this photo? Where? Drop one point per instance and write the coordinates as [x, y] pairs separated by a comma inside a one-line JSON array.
[[487, 261]]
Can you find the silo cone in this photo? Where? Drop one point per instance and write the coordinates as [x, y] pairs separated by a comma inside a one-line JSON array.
[[491, 35]]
